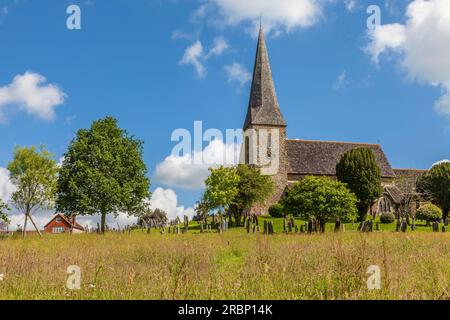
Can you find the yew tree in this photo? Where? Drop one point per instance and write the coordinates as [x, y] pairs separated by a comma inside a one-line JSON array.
[[359, 169]]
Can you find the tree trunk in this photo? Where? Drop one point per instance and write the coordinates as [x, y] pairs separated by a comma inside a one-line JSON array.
[[103, 223], [445, 213], [24, 231], [32, 221]]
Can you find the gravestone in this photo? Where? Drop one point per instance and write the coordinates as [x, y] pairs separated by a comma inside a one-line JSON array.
[[443, 228], [397, 227], [403, 226], [337, 225], [377, 226], [435, 226]]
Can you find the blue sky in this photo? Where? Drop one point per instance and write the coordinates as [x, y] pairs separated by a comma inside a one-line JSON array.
[[127, 61]]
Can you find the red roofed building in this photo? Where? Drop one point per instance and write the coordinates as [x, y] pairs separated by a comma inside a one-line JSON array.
[[61, 224]]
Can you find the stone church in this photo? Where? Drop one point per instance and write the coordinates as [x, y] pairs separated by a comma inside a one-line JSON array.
[[288, 160]]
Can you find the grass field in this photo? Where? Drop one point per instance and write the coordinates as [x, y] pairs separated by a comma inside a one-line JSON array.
[[234, 265]]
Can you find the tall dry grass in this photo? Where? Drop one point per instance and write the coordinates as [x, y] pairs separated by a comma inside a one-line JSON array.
[[229, 266]]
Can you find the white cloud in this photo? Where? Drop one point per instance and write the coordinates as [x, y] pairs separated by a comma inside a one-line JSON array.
[[183, 172], [422, 45], [341, 81], [167, 200], [193, 55], [6, 186], [219, 46], [278, 16], [351, 5], [31, 93], [196, 56], [236, 72], [384, 38]]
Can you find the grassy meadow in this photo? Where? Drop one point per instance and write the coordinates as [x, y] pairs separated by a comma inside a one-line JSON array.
[[233, 265]]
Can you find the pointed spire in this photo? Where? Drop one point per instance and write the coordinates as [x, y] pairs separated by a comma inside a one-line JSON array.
[[263, 108]]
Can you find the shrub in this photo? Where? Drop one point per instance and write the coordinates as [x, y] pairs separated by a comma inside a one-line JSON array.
[[276, 211], [429, 212], [387, 217], [321, 199]]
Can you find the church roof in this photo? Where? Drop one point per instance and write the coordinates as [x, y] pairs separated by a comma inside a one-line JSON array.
[[308, 157], [406, 179], [263, 108]]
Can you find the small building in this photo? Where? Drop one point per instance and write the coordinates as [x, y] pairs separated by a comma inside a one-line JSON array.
[[61, 224]]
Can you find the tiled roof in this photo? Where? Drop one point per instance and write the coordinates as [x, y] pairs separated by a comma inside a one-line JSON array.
[[321, 157]]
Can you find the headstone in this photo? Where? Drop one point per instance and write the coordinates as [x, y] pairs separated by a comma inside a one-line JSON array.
[[404, 226], [377, 226], [265, 227], [284, 224], [435, 226], [443, 228], [337, 225], [302, 229], [397, 226], [446, 222]]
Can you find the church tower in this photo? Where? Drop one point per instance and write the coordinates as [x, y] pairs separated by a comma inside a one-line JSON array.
[[265, 128]]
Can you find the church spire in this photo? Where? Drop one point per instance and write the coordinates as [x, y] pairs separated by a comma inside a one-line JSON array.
[[263, 108]]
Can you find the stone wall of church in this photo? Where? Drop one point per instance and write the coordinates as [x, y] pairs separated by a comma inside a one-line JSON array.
[[280, 177]]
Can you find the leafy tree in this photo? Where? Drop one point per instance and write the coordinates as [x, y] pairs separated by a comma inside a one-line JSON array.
[[253, 188], [429, 212], [34, 174], [221, 189], [234, 189], [4, 220], [103, 172], [359, 169], [321, 199], [436, 185]]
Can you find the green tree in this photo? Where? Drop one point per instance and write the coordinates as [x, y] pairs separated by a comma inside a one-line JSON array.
[[234, 189], [429, 212], [34, 175], [436, 185], [221, 189], [359, 169], [321, 199], [253, 188], [4, 212], [103, 172]]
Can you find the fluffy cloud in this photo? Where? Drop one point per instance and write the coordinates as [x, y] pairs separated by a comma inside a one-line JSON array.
[[183, 171], [422, 44], [31, 93], [167, 200], [6, 187], [236, 72], [278, 15], [196, 56]]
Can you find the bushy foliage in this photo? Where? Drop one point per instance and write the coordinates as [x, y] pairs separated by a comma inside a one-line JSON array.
[[276, 210], [429, 212], [359, 169], [235, 189], [387, 217], [436, 184], [322, 199], [103, 172]]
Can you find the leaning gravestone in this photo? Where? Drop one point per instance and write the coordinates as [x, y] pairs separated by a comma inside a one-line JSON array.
[[310, 226], [443, 228]]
